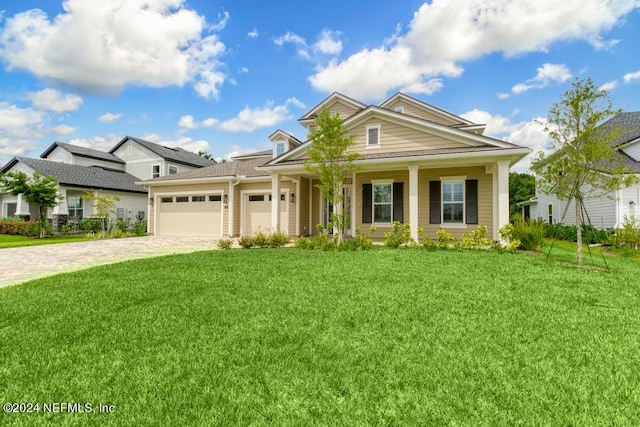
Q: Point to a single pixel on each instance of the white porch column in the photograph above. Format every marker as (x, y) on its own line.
(501, 180)
(413, 201)
(22, 207)
(275, 203)
(62, 208)
(353, 205)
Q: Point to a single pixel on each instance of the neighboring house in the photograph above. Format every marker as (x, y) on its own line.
(604, 212)
(79, 170)
(422, 166)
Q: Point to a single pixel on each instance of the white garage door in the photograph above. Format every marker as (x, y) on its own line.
(189, 215)
(257, 216)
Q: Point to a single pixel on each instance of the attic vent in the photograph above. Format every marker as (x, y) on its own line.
(399, 110)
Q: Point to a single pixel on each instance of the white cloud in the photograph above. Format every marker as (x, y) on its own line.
(109, 117)
(253, 34)
(12, 117)
(101, 46)
(547, 74)
(64, 130)
(188, 122)
(529, 134)
(629, 77)
(223, 20)
(250, 119)
(244, 70)
(296, 40)
(426, 88)
(609, 86)
(20, 129)
(102, 143)
(236, 150)
(503, 95)
(443, 34)
(53, 100)
(328, 43)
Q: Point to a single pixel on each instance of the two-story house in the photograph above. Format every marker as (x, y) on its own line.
(421, 165)
(79, 170)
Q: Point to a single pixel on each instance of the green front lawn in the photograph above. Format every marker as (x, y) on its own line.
(11, 241)
(291, 337)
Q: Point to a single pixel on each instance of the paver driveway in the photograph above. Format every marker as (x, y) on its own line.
(19, 265)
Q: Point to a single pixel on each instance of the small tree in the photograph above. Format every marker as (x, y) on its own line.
(585, 163)
(331, 161)
(38, 189)
(103, 206)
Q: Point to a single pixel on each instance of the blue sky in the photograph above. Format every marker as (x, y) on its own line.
(221, 76)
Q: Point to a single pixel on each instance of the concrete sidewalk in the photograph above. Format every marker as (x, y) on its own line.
(19, 265)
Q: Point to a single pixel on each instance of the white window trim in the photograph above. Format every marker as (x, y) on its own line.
(159, 170)
(373, 204)
(443, 180)
(284, 148)
(169, 166)
(367, 128)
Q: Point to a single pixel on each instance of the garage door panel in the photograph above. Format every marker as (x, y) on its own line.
(190, 219)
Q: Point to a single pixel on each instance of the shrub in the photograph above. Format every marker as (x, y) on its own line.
(12, 219)
(476, 239)
(628, 236)
(35, 229)
(140, 227)
(429, 244)
(361, 242)
(225, 243)
(122, 225)
(261, 240)
(278, 239)
(506, 234)
(90, 225)
(399, 235)
(246, 241)
(15, 227)
(530, 234)
(445, 239)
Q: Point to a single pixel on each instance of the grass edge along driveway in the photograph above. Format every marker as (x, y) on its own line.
(291, 337)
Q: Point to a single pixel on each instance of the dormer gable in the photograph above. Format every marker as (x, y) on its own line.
(282, 142)
(336, 103)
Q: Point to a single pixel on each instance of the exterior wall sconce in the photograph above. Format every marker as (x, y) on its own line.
(225, 199)
(292, 198)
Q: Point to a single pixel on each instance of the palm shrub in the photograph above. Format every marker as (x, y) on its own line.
(225, 243)
(278, 239)
(246, 241)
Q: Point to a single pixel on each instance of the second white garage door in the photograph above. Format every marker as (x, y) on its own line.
(189, 215)
(257, 214)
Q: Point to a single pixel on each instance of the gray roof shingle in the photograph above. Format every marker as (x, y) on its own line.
(83, 152)
(82, 176)
(629, 124)
(178, 155)
(230, 169)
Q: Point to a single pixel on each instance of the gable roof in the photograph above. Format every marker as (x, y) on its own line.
(286, 135)
(310, 115)
(178, 155)
(229, 170)
(460, 121)
(94, 177)
(629, 124)
(82, 152)
(265, 153)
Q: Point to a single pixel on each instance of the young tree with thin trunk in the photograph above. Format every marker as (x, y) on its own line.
(103, 206)
(332, 161)
(38, 189)
(585, 163)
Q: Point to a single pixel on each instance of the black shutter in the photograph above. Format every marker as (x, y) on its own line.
(367, 200)
(434, 202)
(398, 196)
(471, 201)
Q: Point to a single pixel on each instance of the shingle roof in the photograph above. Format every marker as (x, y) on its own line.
(178, 155)
(230, 169)
(83, 152)
(82, 176)
(256, 154)
(629, 124)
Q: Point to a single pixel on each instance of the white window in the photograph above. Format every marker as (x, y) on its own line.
(382, 202)
(155, 171)
(399, 109)
(373, 135)
(173, 169)
(75, 205)
(279, 148)
(453, 202)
